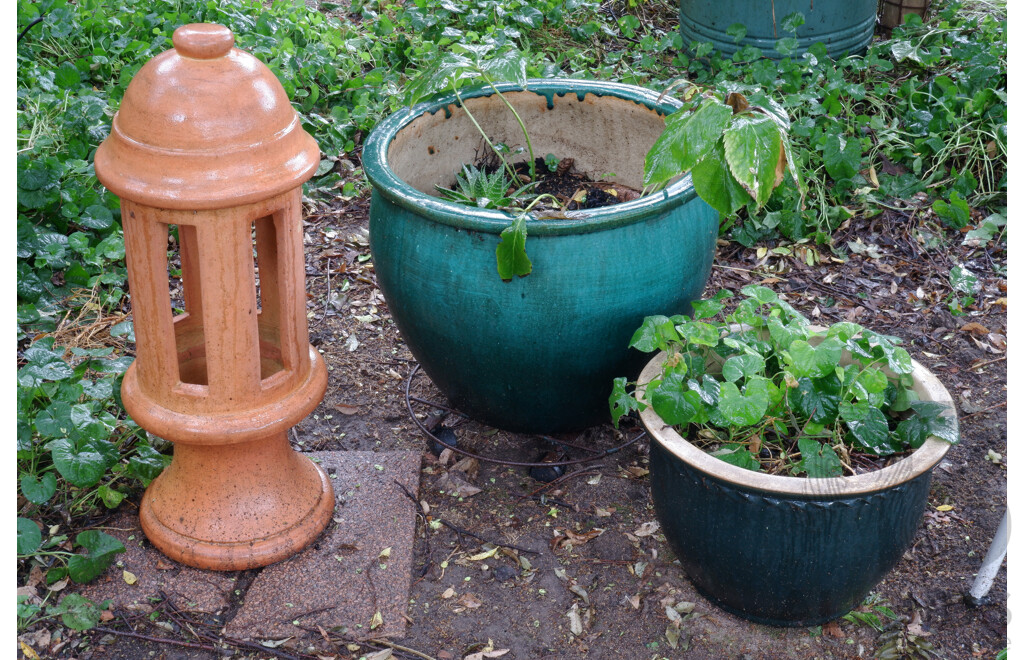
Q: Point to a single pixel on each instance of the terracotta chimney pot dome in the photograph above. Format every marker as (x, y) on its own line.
(204, 126)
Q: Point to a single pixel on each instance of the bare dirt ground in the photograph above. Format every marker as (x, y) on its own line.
(573, 569)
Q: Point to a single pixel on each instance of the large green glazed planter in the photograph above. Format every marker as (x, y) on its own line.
(844, 26)
(537, 354)
(787, 551)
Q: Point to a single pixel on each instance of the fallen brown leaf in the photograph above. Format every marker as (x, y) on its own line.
(346, 408)
(975, 328)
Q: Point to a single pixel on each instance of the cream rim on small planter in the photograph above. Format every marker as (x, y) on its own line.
(926, 457)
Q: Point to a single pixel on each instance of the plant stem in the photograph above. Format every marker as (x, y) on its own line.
(508, 168)
(529, 146)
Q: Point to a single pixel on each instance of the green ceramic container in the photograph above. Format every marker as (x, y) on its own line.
(788, 551)
(844, 26)
(537, 354)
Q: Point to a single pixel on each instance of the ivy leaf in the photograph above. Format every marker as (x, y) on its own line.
(80, 466)
(817, 399)
(696, 332)
(747, 408)
(927, 421)
(716, 185)
(38, 490)
(77, 612)
(654, 334)
(814, 361)
(842, 156)
(742, 366)
(147, 463)
(511, 251)
(96, 217)
(507, 65)
(101, 550)
(760, 294)
(688, 137)
(29, 536)
(737, 454)
(818, 460)
(621, 402)
(675, 403)
(703, 309)
(868, 426)
(753, 150)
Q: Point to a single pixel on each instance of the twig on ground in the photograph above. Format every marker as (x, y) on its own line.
(554, 482)
(460, 532)
(978, 412)
(985, 364)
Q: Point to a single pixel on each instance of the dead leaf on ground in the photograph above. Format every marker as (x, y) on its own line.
(346, 408)
(162, 565)
(648, 528)
(448, 593)
(915, 627)
(469, 601)
(832, 629)
(975, 328)
(453, 483)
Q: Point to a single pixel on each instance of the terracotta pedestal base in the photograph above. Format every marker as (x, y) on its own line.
(237, 506)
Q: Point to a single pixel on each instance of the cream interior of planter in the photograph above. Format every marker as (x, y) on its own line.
(926, 386)
(603, 134)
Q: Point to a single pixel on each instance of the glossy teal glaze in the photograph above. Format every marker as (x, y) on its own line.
(844, 26)
(537, 354)
(782, 560)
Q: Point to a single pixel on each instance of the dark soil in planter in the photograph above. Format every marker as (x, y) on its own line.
(594, 532)
(574, 190)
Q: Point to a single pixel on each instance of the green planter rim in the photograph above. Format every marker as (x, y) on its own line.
(389, 185)
(925, 458)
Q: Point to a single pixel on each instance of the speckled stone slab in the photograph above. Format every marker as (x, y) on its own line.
(190, 589)
(360, 566)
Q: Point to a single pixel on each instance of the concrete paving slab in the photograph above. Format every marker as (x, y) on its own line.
(359, 567)
(190, 589)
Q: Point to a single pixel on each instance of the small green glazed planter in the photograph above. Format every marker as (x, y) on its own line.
(535, 354)
(786, 551)
(844, 26)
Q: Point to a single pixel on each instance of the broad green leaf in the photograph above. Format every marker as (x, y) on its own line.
(111, 497)
(654, 334)
(696, 332)
(675, 403)
(97, 217)
(844, 330)
(870, 381)
(438, 76)
(77, 612)
(818, 460)
(753, 151)
(868, 426)
(101, 550)
(814, 361)
(747, 408)
(782, 335)
(67, 76)
(842, 156)
(742, 366)
(29, 536)
(507, 65)
(761, 294)
(737, 454)
(55, 420)
(38, 490)
(688, 137)
(703, 309)
(147, 463)
(963, 280)
(928, 420)
(80, 466)
(817, 399)
(511, 251)
(716, 185)
(621, 402)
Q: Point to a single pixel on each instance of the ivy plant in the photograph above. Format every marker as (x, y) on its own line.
(763, 389)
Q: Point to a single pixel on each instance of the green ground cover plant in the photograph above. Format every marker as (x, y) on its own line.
(918, 123)
(762, 389)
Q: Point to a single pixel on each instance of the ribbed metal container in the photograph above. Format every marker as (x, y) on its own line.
(844, 26)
